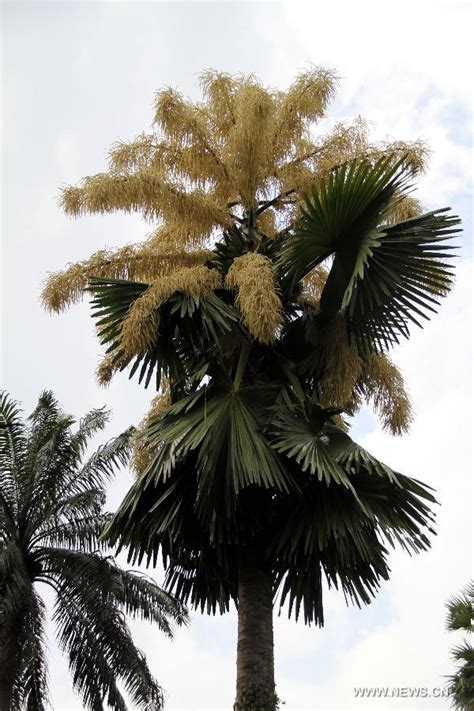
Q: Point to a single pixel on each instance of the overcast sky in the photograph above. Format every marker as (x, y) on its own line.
(78, 76)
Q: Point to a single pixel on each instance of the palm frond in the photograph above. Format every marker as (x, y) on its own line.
(344, 530)
(67, 487)
(12, 453)
(15, 582)
(223, 424)
(383, 276)
(298, 433)
(461, 617)
(31, 681)
(141, 597)
(90, 665)
(50, 457)
(159, 518)
(338, 218)
(47, 409)
(463, 652)
(190, 326)
(104, 462)
(50, 524)
(74, 531)
(89, 618)
(93, 422)
(461, 610)
(7, 514)
(403, 280)
(461, 687)
(15, 599)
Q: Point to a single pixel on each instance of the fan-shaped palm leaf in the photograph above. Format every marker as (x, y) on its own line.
(189, 326)
(341, 510)
(383, 276)
(461, 617)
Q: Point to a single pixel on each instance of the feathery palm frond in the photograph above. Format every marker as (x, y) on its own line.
(12, 454)
(51, 520)
(31, 686)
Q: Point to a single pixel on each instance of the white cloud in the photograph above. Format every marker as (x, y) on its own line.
(407, 72)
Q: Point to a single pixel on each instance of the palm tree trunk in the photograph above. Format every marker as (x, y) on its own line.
(255, 666)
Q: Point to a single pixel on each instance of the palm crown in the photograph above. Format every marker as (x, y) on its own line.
(251, 444)
(51, 501)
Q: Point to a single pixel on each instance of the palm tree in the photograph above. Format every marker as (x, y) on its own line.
(51, 516)
(317, 260)
(461, 617)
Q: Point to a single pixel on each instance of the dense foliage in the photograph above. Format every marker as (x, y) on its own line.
(461, 617)
(282, 269)
(249, 451)
(51, 516)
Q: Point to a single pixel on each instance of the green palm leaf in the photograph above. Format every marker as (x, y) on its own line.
(343, 511)
(299, 433)
(51, 519)
(225, 424)
(188, 326)
(12, 454)
(31, 683)
(461, 617)
(461, 610)
(342, 531)
(382, 276)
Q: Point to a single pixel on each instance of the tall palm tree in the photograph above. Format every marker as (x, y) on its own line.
(461, 617)
(51, 500)
(316, 260)
(253, 485)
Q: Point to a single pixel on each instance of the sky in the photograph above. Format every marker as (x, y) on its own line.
(76, 77)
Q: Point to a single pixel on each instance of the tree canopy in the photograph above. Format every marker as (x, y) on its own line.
(51, 517)
(245, 151)
(256, 372)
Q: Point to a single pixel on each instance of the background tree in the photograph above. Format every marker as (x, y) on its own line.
(51, 501)
(461, 617)
(262, 314)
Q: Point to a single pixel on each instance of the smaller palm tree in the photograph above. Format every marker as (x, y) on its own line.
(461, 617)
(51, 500)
